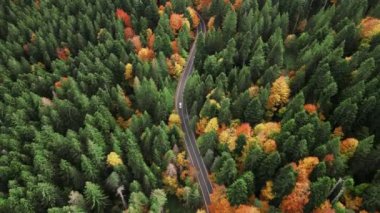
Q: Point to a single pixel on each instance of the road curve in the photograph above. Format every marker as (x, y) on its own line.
(190, 142)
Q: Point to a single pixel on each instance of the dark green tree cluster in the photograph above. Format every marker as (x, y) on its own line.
(64, 106)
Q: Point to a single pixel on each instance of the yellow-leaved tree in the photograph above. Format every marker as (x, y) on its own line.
(113, 159)
(201, 125)
(170, 184)
(194, 17)
(146, 54)
(212, 125)
(128, 73)
(279, 93)
(210, 23)
(228, 136)
(174, 119)
(266, 192)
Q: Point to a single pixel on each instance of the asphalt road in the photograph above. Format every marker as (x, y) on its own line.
(190, 141)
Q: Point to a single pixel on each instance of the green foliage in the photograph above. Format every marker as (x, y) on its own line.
(65, 102)
(237, 192)
(284, 182)
(268, 167)
(229, 24)
(370, 196)
(254, 112)
(158, 200)
(207, 141)
(241, 141)
(319, 191)
(137, 201)
(95, 197)
(248, 178)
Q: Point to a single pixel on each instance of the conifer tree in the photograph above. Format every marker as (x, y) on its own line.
(284, 182)
(229, 24)
(94, 196)
(237, 192)
(254, 112)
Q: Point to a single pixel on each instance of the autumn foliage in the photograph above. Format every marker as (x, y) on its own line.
(310, 108)
(228, 136)
(324, 208)
(128, 72)
(244, 129)
(269, 146)
(151, 38)
(219, 201)
(194, 17)
(266, 192)
(348, 146)
(113, 159)
(237, 4)
(122, 15)
(299, 197)
(174, 45)
(212, 125)
(279, 93)
(175, 64)
(176, 21)
(264, 130)
(352, 202)
(246, 209)
(210, 23)
(370, 27)
(129, 33)
(136, 43)
(63, 53)
(201, 125)
(174, 119)
(204, 4)
(146, 54)
(58, 84)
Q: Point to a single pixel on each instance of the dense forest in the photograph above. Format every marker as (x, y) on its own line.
(284, 100)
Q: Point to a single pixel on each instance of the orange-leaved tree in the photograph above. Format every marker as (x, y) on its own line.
(348, 146)
(246, 209)
(370, 27)
(237, 4)
(219, 201)
(136, 43)
(129, 33)
(146, 54)
(324, 208)
(63, 53)
(203, 4)
(299, 197)
(310, 108)
(122, 15)
(244, 129)
(176, 21)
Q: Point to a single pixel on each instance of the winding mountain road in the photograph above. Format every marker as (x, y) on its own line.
(190, 141)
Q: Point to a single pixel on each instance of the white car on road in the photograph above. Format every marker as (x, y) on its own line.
(180, 105)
